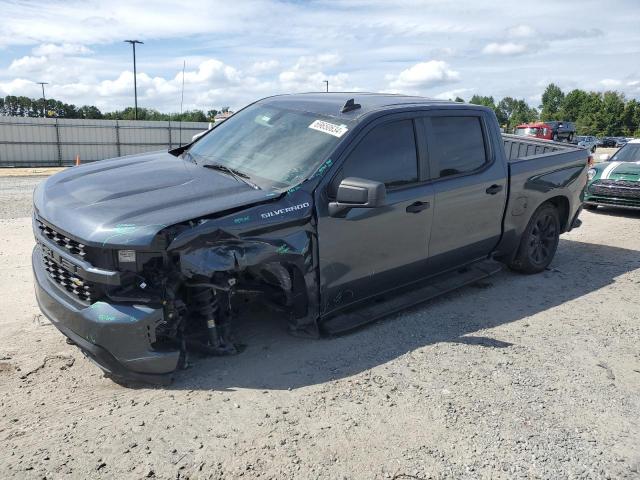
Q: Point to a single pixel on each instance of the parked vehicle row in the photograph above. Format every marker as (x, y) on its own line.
(612, 142)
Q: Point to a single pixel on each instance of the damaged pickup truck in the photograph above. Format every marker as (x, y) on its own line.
(334, 208)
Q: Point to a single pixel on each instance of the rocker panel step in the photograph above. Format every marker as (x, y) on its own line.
(382, 306)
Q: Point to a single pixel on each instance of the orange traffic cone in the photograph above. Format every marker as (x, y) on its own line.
(77, 160)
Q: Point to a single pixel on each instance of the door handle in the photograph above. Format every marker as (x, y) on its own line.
(493, 189)
(417, 207)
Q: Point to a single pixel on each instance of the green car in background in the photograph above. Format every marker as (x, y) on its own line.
(615, 182)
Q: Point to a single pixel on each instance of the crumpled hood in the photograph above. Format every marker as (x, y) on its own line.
(126, 201)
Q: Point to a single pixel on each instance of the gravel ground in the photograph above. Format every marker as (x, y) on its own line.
(513, 377)
(15, 195)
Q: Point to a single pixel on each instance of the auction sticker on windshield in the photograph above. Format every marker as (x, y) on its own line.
(330, 128)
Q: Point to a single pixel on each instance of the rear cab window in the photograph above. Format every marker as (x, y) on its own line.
(456, 144)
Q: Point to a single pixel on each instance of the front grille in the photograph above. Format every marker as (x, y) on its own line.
(616, 188)
(68, 280)
(72, 246)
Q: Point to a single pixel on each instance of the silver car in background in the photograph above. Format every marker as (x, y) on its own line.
(587, 141)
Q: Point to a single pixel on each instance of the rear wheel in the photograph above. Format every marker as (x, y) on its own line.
(539, 241)
(555, 137)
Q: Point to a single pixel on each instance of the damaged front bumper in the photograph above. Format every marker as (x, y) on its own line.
(117, 337)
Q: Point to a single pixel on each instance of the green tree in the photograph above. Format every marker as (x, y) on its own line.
(89, 111)
(484, 101)
(611, 114)
(631, 118)
(589, 121)
(551, 102)
(572, 105)
(459, 100)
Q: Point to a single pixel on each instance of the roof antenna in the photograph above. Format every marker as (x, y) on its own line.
(184, 64)
(350, 105)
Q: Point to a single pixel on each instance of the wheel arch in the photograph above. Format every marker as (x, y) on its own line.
(562, 204)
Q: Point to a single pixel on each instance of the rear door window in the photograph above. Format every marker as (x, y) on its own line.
(456, 145)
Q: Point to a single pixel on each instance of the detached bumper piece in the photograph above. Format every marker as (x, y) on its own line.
(118, 338)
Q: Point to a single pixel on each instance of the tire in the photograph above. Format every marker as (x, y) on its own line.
(590, 207)
(593, 149)
(570, 137)
(539, 241)
(555, 137)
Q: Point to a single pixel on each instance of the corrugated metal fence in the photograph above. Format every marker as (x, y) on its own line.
(49, 142)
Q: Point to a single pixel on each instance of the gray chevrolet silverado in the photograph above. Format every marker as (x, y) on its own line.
(335, 209)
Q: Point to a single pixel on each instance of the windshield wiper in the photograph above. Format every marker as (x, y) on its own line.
(239, 176)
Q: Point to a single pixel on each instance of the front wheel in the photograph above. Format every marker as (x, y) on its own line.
(539, 241)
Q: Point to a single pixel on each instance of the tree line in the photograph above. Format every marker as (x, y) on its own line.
(594, 113)
(31, 107)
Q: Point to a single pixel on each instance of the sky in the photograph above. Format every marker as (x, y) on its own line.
(242, 50)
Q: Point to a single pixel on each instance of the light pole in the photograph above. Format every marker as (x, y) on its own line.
(135, 83)
(44, 100)
(327, 82)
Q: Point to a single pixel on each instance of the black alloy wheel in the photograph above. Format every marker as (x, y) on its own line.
(543, 239)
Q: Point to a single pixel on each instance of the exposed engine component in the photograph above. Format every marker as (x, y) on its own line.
(216, 315)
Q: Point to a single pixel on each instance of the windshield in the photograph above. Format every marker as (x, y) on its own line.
(629, 153)
(272, 146)
(582, 139)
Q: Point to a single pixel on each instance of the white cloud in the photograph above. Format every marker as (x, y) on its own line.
(521, 31)
(51, 49)
(306, 75)
(265, 66)
(610, 83)
(507, 48)
(20, 86)
(423, 75)
(28, 64)
(209, 71)
(452, 94)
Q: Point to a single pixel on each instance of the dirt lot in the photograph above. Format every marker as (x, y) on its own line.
(514, 377)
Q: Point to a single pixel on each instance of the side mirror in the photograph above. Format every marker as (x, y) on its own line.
(357, 193)
(604, 157)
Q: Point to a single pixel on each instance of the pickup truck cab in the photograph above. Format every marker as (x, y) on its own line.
(318, 204)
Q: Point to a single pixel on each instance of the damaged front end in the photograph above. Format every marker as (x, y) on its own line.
(141, 312)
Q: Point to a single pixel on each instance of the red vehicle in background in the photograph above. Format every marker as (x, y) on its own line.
(556, 131)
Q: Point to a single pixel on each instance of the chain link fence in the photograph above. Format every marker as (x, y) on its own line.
(51, 142)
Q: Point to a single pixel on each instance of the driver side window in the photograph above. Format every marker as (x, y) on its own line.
(386, 154)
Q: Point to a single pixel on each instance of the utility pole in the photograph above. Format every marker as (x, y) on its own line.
(44, 100)
(135, 80)
(327, 82)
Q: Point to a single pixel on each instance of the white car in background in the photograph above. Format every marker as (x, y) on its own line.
(198, 135)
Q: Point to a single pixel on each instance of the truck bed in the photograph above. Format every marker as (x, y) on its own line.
(517, 147)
